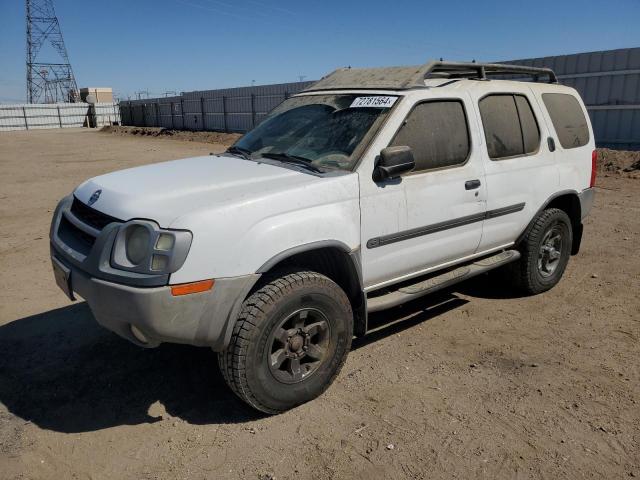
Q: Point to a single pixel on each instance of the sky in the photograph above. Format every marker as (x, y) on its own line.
(182, 45)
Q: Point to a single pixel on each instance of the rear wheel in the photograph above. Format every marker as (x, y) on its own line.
(289, 343)
(545, 250)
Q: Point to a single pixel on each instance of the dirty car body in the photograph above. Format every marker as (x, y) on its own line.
(373, 188)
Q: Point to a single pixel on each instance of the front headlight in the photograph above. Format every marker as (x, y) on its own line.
(136, 243)
(141, 246)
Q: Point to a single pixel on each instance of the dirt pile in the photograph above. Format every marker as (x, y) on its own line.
(184, 135)
(620, 162)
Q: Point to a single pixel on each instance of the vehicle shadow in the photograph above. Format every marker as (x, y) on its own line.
(395, 320)
(494, 285)
(63, 372)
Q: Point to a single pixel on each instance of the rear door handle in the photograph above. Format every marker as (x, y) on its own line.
(471, 184)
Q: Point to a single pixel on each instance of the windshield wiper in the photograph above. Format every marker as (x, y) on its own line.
(239, 151)
(294, 159)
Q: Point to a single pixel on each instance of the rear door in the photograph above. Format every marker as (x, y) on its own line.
(520, 169)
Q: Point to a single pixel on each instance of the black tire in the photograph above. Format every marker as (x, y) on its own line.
(532, 274)
(274, 387)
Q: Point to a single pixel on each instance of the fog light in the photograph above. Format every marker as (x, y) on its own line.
(141, 337)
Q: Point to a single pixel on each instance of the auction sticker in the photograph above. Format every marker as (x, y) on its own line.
(378, 101)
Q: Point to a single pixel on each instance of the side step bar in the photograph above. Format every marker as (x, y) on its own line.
(411, 292)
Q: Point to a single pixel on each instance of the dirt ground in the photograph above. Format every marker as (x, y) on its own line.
(472, 383)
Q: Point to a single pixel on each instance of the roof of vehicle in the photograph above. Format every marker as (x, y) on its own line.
(403, 78)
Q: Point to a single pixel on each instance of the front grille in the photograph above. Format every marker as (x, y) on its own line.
(90, 216)
(74, 237)
(77, 238)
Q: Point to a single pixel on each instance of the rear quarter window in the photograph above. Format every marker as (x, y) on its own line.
(568, 119)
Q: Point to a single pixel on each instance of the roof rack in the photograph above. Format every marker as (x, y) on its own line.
(482, 70)
(402, 78)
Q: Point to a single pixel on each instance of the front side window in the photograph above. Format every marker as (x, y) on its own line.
(323, 130)
(437, 133)
(510, 126)
(567, 118)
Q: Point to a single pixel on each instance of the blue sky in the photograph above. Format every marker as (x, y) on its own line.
(187, 45)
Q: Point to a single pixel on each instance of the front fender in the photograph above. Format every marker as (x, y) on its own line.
(273, 239)
(241, 239)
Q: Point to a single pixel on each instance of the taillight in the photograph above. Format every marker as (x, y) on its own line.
(594, 157)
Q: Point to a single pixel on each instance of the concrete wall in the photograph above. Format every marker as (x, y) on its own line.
(56, 115)
(609, 82)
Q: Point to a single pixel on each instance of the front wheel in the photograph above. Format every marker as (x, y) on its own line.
(545, 249)
(289, 343)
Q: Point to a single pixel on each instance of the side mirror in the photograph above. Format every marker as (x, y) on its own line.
(393, 162)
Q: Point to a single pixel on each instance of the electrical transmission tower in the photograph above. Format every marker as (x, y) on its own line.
(47, 82)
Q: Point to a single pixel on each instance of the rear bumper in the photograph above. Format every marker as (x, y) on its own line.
(201, 319)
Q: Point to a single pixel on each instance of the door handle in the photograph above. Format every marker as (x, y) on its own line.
(471, 184)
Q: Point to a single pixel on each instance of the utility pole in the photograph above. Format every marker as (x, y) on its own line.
(50, 77)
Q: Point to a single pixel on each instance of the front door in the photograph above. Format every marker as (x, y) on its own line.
(434, 214)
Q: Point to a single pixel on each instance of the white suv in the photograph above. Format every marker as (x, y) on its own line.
(372, 188)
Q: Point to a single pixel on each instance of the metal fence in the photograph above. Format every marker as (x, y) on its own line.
(609, 82)
(57, 115)
(227, 110)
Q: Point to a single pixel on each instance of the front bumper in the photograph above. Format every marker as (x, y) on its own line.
(120, 300)
(201, 319)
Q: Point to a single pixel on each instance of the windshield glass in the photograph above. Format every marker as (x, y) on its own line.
(323, 130)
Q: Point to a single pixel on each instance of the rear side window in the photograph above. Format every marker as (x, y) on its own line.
(568, 119)
(530, 132)
(437, 133)
(510, 126)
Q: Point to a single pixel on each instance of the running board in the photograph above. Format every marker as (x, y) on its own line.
(411, 292)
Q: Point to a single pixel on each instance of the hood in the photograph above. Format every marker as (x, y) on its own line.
(164, 191)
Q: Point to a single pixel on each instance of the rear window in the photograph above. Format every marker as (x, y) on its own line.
(510, 126)
(437, 133)
(568, 119)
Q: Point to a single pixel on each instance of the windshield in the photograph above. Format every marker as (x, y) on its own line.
(323, 130)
